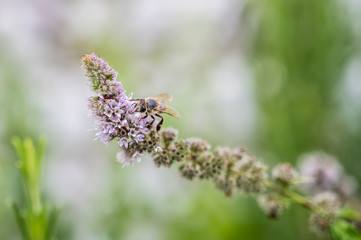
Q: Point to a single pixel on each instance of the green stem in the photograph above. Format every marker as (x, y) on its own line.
(295, 197)
(38, 222)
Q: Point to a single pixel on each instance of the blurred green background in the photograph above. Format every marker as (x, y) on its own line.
(281, 77)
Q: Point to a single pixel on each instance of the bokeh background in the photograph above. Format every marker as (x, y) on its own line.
(280, 77)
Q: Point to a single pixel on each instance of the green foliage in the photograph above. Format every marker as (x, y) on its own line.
(299, 51)
(346, 227)
(344, 230)
(36, 220)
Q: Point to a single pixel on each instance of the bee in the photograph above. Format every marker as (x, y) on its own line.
(154, 106)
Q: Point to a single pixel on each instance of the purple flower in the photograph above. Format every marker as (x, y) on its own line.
(118, 112)
(124, 124)
(322, 170)
(143, 130)
(124, 142)
(324, 173)
(138, 138)
(111, 128)
(116, 116)
(123, 158)
(137, 156)
(113, 104)
(104, 137)
(132, 132)
(108, 111)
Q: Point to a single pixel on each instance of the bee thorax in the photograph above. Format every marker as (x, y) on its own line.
(151, 104)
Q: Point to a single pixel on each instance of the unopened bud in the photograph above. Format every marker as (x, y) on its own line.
(169, 135)
(327, 207)
(197, 145)
(251, 176)
(284, 173)
(271, 205)
(189, 170)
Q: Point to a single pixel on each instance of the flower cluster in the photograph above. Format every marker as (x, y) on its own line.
(271, 204)
(324, 173)
(284, 173)
(229, 169)
(252, 176)
(114, 113)
(327, 207)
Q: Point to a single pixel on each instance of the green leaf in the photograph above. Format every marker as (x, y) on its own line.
(20, 220)
(349, 213)
(31, 163)
(35, 221)
(40, 149)
(19, 149)
(52, 219)
(344, 231)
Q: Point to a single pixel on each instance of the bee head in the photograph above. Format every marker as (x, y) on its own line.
(142, 107)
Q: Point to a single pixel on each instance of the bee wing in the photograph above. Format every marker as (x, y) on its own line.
(171, 111)
(164, 97)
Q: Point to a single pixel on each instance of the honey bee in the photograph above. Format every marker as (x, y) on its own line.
(154, 106)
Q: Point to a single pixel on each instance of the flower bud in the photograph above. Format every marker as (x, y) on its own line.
(284, 173)
(189, 170)
(225, 184)
(197, 145)
(208, 166)
(327, 206)
(251, 175)
(169, 135)
(271, 204)
(223, 152)
(324, 171)
(101, 75)
(238, 153)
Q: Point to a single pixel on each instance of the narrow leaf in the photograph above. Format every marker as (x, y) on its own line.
(20, 221)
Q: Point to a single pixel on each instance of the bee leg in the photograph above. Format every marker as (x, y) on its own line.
(160, 123)
(151, 123)
(135, 104)
(145, 116)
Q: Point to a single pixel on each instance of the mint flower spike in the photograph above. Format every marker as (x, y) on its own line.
(325, 173)
(230, 170)
(102, 77)
(114, 113)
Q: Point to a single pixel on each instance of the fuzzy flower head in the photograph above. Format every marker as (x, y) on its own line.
(251, 175)
(169, 135)
(326, 174)
(323, 170)
(284, 173)
(197, 145)
(189, 170)
(114, 113)
(271, 204)
(327, 206)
